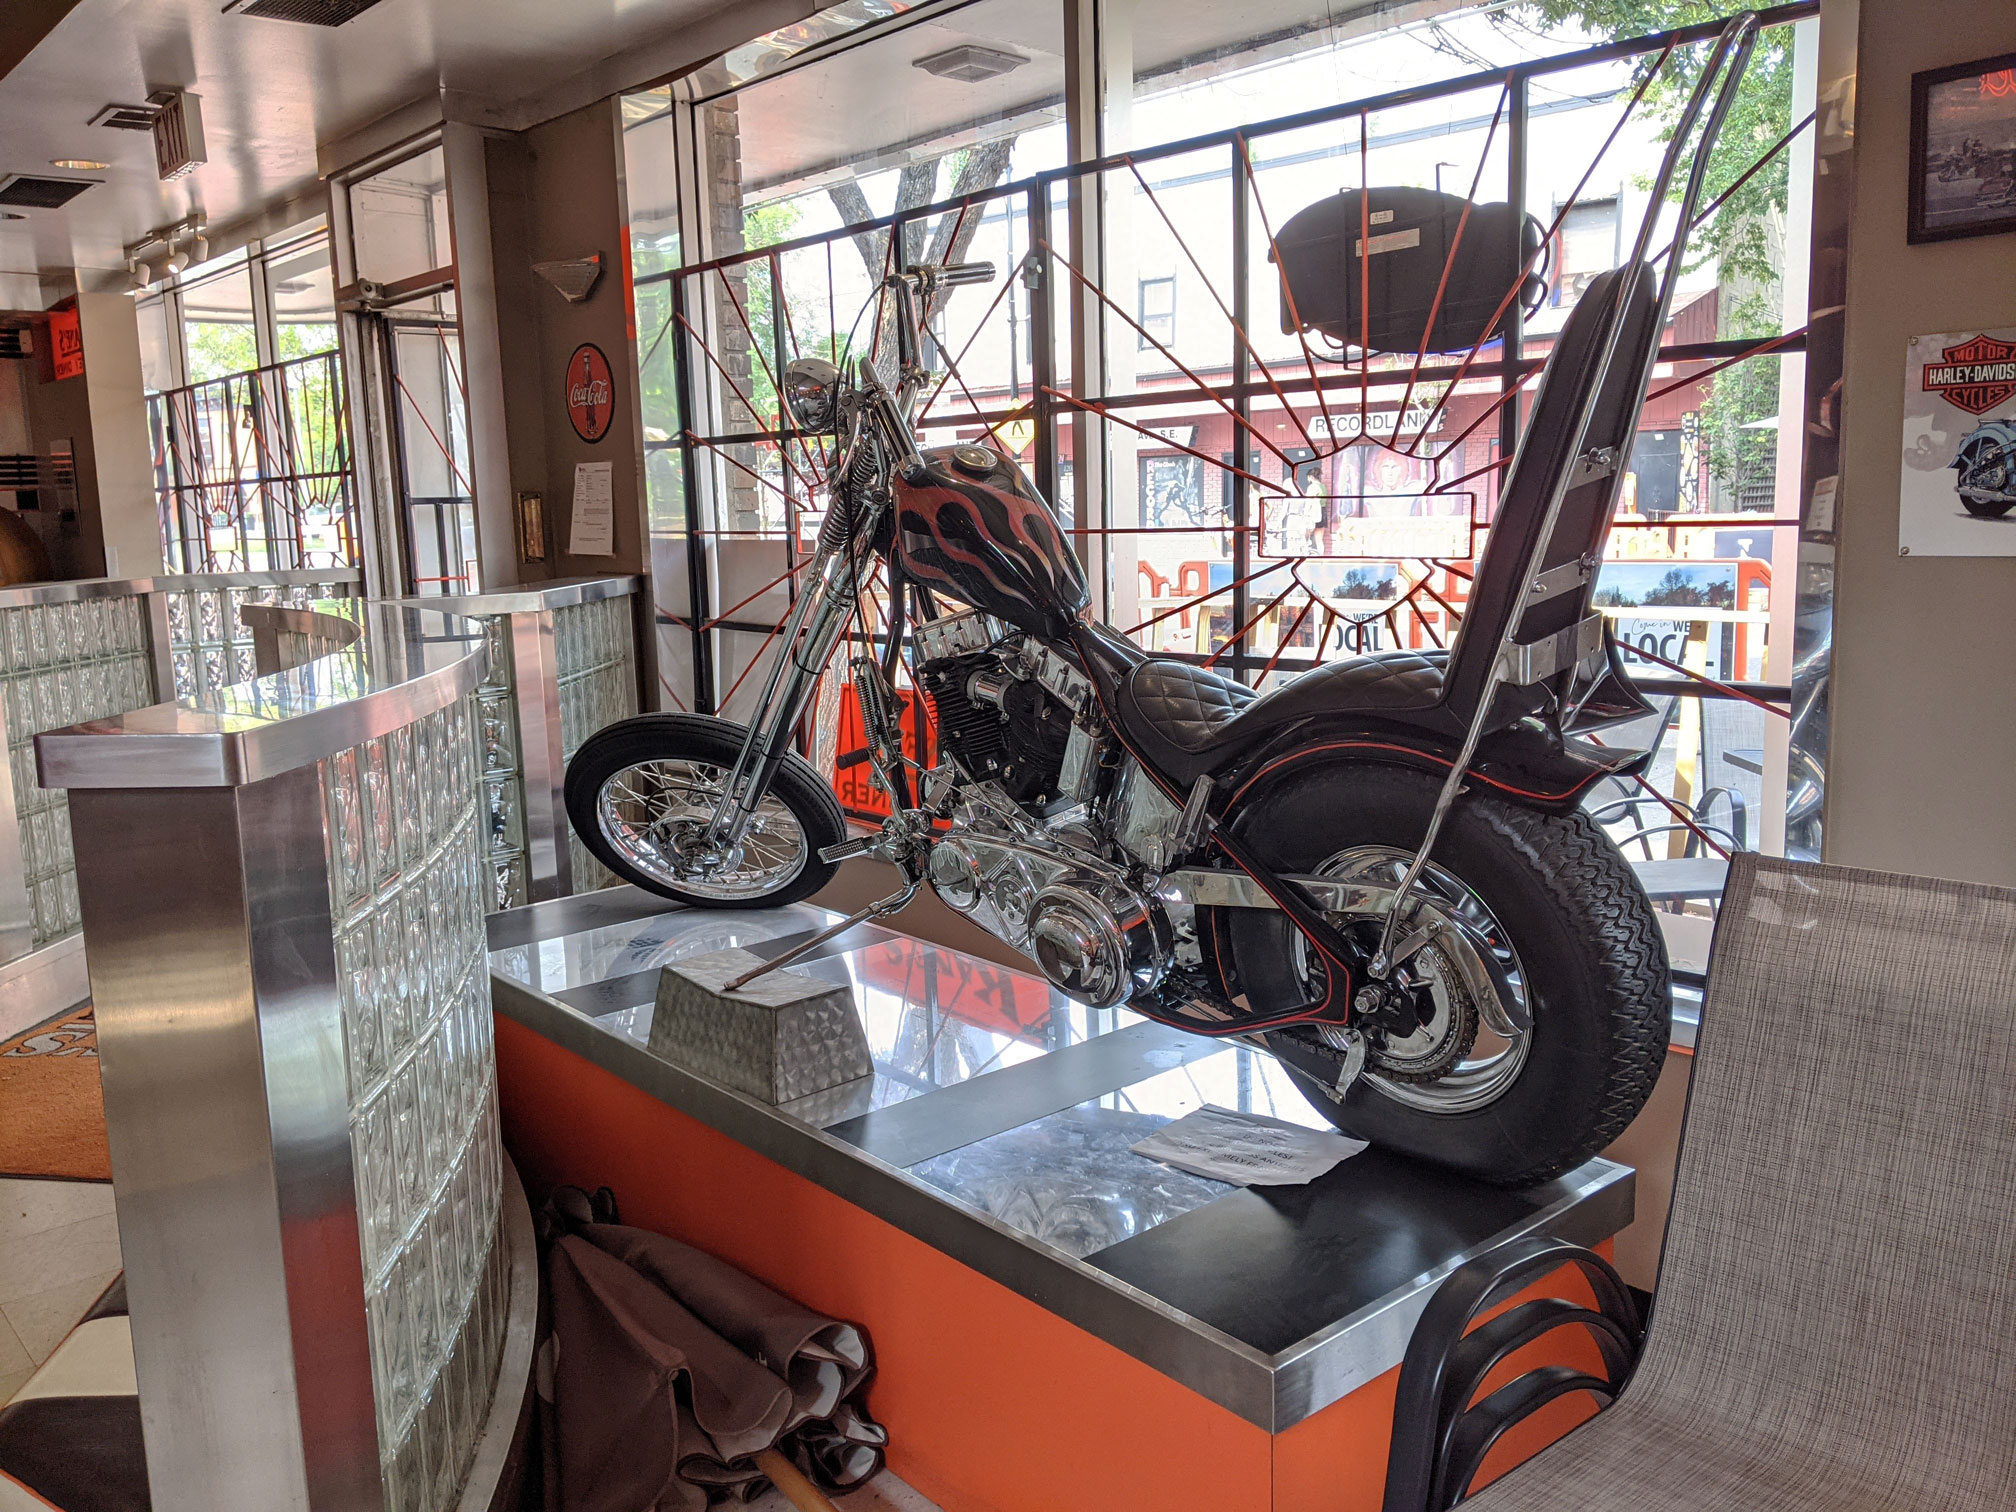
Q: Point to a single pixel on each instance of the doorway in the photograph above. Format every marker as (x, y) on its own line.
(420, 353)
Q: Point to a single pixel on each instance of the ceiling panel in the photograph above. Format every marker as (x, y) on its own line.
(270, 91)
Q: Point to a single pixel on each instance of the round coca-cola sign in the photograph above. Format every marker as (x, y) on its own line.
(591, 392)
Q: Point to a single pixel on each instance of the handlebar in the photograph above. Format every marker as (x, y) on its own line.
(948, 275)
(953, 274)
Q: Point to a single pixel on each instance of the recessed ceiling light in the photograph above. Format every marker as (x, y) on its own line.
(80, 165)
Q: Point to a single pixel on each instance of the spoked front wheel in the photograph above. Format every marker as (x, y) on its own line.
(642, 794)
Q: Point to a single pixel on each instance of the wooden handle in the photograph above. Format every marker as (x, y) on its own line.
(786, 1477)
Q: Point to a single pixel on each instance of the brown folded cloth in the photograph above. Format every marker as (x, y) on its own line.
(667, 1369)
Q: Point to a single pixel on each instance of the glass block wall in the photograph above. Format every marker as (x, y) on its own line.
(597, 656)
(60, 664)
(408, 883)
(596, 663)
(507, 869)
(210, 645)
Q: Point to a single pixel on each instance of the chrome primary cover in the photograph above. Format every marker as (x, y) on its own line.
(1096, 937)
(1099, 942)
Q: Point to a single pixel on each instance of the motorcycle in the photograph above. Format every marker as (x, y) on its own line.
(1986, 462)
(1378, 872)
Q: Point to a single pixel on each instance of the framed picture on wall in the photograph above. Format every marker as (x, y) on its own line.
(1963, 150)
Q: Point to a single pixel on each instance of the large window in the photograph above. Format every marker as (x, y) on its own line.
(269, 301)
(401, 278)
(219, 334)
(1253, 495)
(250, 428)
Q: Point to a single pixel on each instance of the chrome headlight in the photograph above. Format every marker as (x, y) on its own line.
(812, 392)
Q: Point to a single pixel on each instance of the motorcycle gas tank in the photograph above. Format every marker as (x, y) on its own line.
(973, 527)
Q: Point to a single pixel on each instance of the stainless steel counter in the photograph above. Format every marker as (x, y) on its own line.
(86, 650)
(281, 884)
(996, 1128)
(403, 663)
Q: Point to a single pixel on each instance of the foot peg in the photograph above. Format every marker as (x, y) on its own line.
(847, 850)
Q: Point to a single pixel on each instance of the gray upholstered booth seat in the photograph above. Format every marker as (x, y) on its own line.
(1835, 1324)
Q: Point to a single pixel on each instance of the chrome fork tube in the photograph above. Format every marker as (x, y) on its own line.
(803, 655)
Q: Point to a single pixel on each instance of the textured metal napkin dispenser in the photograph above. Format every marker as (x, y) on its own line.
(783, 1036)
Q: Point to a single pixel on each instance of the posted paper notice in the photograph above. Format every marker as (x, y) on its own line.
(594, 527)
(1246, 1149)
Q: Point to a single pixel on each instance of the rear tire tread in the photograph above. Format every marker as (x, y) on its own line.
(1588, 940)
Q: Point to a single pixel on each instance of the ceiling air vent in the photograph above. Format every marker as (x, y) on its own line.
(17, 341)
(32, 193)
(307, 12)
(127, 117)
(969, 63)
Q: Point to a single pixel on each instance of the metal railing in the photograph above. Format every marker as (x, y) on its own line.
(255, 470)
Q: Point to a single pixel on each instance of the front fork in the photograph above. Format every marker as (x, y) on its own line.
(817, 621)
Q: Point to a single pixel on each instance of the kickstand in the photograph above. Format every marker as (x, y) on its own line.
(874, 910)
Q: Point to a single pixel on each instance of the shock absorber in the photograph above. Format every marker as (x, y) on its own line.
(837, 530)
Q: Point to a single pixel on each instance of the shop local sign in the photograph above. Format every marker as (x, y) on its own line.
(1959, 401)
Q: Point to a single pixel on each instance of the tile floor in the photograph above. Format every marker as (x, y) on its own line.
(59, 1248)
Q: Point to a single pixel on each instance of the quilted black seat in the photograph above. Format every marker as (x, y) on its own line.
(1189, 720)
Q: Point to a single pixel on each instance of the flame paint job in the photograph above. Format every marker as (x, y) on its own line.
(989, 541)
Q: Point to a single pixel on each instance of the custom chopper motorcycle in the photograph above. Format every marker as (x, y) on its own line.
(1377, 872)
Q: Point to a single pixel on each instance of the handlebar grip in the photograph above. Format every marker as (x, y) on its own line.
(966, 273)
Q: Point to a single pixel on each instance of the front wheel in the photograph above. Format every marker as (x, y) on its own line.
(641, 793)
(1542, 997)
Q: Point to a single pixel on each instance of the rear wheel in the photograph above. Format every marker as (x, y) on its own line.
(1540, 992)
(641, 793)
(1985, 481)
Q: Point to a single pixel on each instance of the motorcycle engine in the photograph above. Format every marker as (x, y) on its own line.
(999, 727)
(1022, 858)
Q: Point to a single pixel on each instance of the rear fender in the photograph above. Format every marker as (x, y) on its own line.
(1527, 762)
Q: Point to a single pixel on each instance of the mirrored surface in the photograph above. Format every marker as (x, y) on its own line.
(934, 1018)
(1072, 1180)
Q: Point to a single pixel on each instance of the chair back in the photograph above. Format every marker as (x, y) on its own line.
(1840, 1260)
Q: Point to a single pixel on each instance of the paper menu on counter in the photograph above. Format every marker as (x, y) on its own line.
(1246, 1149)
(593, 532)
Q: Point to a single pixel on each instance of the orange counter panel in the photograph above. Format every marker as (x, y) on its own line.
(993, 1404)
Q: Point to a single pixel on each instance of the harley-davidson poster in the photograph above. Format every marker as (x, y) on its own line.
(1958, 494)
